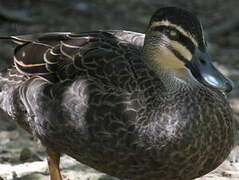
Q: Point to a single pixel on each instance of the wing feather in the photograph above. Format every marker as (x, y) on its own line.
(59, 56)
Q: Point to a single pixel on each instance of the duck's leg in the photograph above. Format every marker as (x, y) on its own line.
(53, 159)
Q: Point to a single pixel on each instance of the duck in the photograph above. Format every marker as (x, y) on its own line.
(132, 105)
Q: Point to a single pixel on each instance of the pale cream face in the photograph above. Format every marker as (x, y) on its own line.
(163, 57)
(182, 49)
(168, 51)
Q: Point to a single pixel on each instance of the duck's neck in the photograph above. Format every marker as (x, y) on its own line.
(171, 72)
(177, 80)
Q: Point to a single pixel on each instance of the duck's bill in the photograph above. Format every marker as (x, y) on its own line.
(205, 72)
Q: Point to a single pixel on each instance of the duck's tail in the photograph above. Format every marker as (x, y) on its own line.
(5, 37)
(10, 79)
(15, 39)
(38, 37)
(9, 76)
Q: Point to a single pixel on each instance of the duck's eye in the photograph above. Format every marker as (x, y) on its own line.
(173, 34)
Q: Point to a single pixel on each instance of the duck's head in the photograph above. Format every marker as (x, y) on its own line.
(175, 41)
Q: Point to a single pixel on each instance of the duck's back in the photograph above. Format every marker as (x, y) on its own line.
(103, 61)
(60, 56)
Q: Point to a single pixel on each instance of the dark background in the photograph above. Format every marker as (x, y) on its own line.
(220, 19)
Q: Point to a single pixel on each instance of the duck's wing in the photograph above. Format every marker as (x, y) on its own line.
(59, 56)
(101, 58)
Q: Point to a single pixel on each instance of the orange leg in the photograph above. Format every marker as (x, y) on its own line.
(53, 159)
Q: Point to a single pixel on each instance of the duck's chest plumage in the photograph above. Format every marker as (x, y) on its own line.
(109, 130)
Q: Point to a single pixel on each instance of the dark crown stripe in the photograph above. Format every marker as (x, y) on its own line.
(182, 39)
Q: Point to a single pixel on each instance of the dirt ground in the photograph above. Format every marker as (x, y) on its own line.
(21, 156)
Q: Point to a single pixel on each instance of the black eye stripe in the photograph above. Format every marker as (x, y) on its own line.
(187, 42)
(184, 40)
(178, 55)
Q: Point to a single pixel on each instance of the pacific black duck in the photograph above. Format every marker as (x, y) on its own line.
(131, 105)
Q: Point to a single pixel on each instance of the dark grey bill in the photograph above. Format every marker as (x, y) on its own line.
(205, 72)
